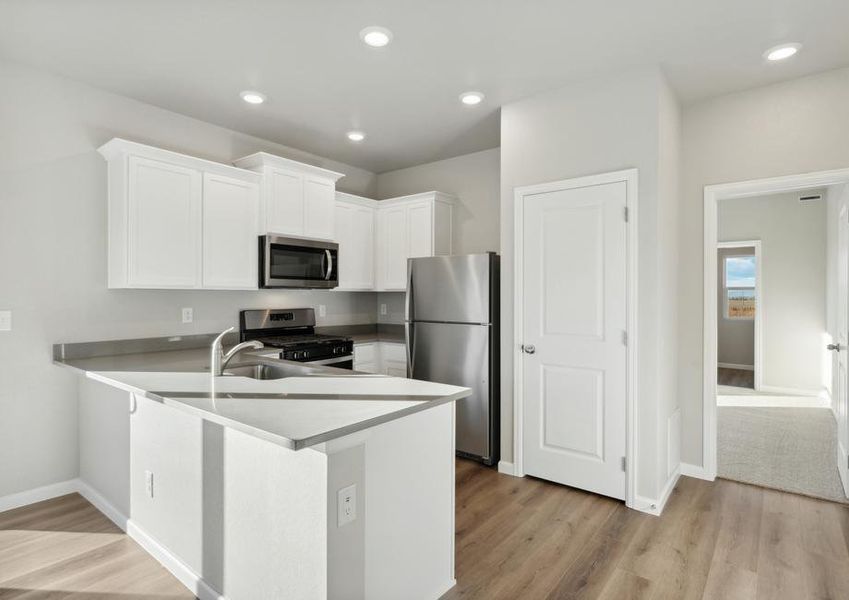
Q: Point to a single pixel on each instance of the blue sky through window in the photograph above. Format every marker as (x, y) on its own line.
(740, 271)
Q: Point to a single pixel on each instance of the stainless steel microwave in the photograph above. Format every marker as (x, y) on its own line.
(289, 262)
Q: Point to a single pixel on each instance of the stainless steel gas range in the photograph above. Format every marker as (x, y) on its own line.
(292, 332)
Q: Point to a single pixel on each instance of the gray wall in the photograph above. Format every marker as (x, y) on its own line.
(473, 178)
(617, 122)
(53, 256)
(784, 129)
(735, 337)
(793, 287)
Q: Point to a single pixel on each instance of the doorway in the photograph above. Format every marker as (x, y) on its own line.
(771, 251)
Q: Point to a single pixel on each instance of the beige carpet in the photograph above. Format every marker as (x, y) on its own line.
(790, 449)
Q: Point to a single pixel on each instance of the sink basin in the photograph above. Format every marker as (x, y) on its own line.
(278, 370)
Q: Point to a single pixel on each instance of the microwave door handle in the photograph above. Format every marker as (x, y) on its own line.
(329, 264)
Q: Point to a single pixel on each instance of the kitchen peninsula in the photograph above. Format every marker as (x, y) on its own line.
(276, 480)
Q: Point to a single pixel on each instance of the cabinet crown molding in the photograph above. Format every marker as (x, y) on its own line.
(119, 147)
(257, 160)
(432, 195)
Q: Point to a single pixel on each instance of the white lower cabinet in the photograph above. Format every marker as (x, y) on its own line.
(386, 358)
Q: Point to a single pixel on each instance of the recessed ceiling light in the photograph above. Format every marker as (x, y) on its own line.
(375, 36)
(781, 52)
(252, 97)
(471, 98)
(356, 136)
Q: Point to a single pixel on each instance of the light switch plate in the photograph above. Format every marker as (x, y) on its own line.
(188, 315)
(5, 320)
(322, 310)
(383, 309)
(346, 505)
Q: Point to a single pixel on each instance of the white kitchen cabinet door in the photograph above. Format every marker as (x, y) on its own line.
(230, 229)
(319, 203)
(284, 204)
(393, 248)
(420, 229)
(164, 204)
(355, 236)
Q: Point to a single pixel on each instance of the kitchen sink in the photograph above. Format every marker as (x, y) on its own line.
(279, 370)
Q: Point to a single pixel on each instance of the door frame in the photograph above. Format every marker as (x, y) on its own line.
(758, 341)
(630, 178)
(712, 195)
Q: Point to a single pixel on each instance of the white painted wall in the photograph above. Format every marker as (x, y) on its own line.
(473, 178)
(53, 256)
(617, 122)
(783, 129)
(735, 337)
(793, 261)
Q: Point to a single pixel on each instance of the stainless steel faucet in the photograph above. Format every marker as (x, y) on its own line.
(218, 359)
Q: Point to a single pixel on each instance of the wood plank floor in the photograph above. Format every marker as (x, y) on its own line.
(516, 538)
(65, 548)
(722, 540)
(736, 377)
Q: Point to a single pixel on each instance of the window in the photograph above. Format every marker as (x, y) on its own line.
(740, 274)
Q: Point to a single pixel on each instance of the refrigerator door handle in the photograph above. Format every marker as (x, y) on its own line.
(408, 305)
(408, 335)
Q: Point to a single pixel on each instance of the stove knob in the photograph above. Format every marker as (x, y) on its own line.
(305, 354)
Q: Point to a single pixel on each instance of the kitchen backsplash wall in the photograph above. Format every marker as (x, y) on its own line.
(394, 302)
(53, 256)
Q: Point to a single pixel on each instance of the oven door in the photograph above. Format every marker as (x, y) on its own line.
(297, 263)
(339, 362)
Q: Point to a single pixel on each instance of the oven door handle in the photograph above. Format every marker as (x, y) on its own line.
(329, 256)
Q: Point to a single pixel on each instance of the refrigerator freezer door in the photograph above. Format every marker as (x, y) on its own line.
(452, 289)
(457, 354)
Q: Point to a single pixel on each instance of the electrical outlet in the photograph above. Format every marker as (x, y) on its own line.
(148, 483)
(383, 308)
(188, 315)
(5, 320)
(322, 310)
(346, 505)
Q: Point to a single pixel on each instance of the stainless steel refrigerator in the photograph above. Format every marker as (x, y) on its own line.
(452, 315)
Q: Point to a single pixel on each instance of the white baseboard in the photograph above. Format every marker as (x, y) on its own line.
(177, 567)
(39, 494)
(507, 468)
(772, 401)
(654, 506)
(697, 471)
(735, 366)
(442, 590)
(774, 389)
(102, 504)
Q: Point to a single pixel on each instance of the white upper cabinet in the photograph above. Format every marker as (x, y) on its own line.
(355, 218)
(297, 199)
(230, 226)
(163, 224)
(410, 227)
(179, 222)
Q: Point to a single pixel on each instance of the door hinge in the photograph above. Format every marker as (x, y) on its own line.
(626, 214)
(624, 463)
(625, 338)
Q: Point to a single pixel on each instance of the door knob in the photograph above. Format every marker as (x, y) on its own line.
(529, 349)
(835, 347)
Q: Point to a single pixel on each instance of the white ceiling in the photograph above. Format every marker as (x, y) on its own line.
(195, 56)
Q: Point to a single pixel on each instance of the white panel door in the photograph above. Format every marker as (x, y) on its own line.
(420, 229)
(392, 223)
(164, 225)
(230, 232)
(319, 203)
(842, 359)
(284, 202)
(575, 317)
